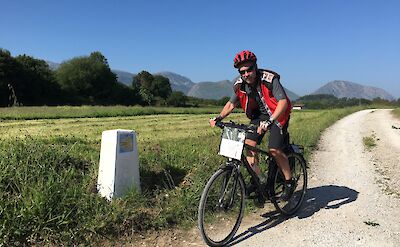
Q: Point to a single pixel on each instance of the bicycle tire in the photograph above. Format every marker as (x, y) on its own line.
(217, 211)
(299, 172)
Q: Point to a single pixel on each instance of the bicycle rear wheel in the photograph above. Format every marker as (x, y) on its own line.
(221, 207)
(299, 173)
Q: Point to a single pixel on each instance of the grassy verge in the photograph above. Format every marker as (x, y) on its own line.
(396, 112)
(48, 174)
(44, 112)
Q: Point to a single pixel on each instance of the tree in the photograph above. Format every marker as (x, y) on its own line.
(36, 84)
(146, 95)
(161, 87)
(177, 98)
(124, 95)
(141, 84)
(27, 81)
(223, 100)
(379, 100)
(153, 89)
(87, 79)
(143, 79)
(8, 72)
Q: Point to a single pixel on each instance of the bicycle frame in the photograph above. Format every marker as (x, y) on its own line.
(243, 159)
(236, 164)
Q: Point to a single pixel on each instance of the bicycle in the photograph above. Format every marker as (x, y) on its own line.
(222, 202)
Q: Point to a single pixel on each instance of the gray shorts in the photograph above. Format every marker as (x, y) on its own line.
(277, 137)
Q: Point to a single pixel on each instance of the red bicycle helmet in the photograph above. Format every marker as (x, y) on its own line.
(242, 57)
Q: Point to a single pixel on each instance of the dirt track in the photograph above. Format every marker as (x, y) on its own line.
(353, 196)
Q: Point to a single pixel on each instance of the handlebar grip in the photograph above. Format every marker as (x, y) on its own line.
(219, 124)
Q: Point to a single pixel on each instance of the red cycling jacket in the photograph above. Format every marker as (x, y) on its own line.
(264, 89)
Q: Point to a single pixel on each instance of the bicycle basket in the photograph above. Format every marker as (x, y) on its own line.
(232, 142)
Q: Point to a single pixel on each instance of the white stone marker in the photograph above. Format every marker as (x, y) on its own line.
(119, 163)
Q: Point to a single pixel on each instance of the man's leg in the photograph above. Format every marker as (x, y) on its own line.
(276, 146)
(252, 157)
(282, 161)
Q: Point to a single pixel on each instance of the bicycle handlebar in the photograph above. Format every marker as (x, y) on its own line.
(245, 127)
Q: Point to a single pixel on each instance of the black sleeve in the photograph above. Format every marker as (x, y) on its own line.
(234, 99)
(277, 90)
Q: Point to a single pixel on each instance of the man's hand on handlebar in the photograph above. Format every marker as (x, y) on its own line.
(213, 121)
(264, 126)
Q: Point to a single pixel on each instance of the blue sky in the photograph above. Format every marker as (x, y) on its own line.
(308, 42)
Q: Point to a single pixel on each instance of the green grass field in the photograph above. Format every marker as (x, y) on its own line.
(44, 112)
(396, 112)
(48, 171)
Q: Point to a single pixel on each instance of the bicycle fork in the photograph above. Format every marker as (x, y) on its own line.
(225, 193)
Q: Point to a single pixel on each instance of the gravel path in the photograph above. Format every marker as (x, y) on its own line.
(353, 196)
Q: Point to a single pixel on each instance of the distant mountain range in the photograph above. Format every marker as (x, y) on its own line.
(217, 90)
(207, 89)
(346, 89)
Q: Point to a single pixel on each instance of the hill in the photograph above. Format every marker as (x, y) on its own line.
(178, 82)
(346, 89)
(292, 96)
(124, 77)
(217, 90)
(211, 90)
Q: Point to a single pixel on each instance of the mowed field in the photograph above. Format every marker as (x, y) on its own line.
(49, 164)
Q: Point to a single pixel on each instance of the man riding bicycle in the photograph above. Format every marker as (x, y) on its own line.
(262, 97)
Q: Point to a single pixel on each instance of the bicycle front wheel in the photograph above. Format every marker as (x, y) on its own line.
(221, 207)
(299, 173)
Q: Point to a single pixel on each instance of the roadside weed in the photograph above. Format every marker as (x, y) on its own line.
(369, 142)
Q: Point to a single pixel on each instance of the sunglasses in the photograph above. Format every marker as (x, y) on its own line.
(248, 70)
